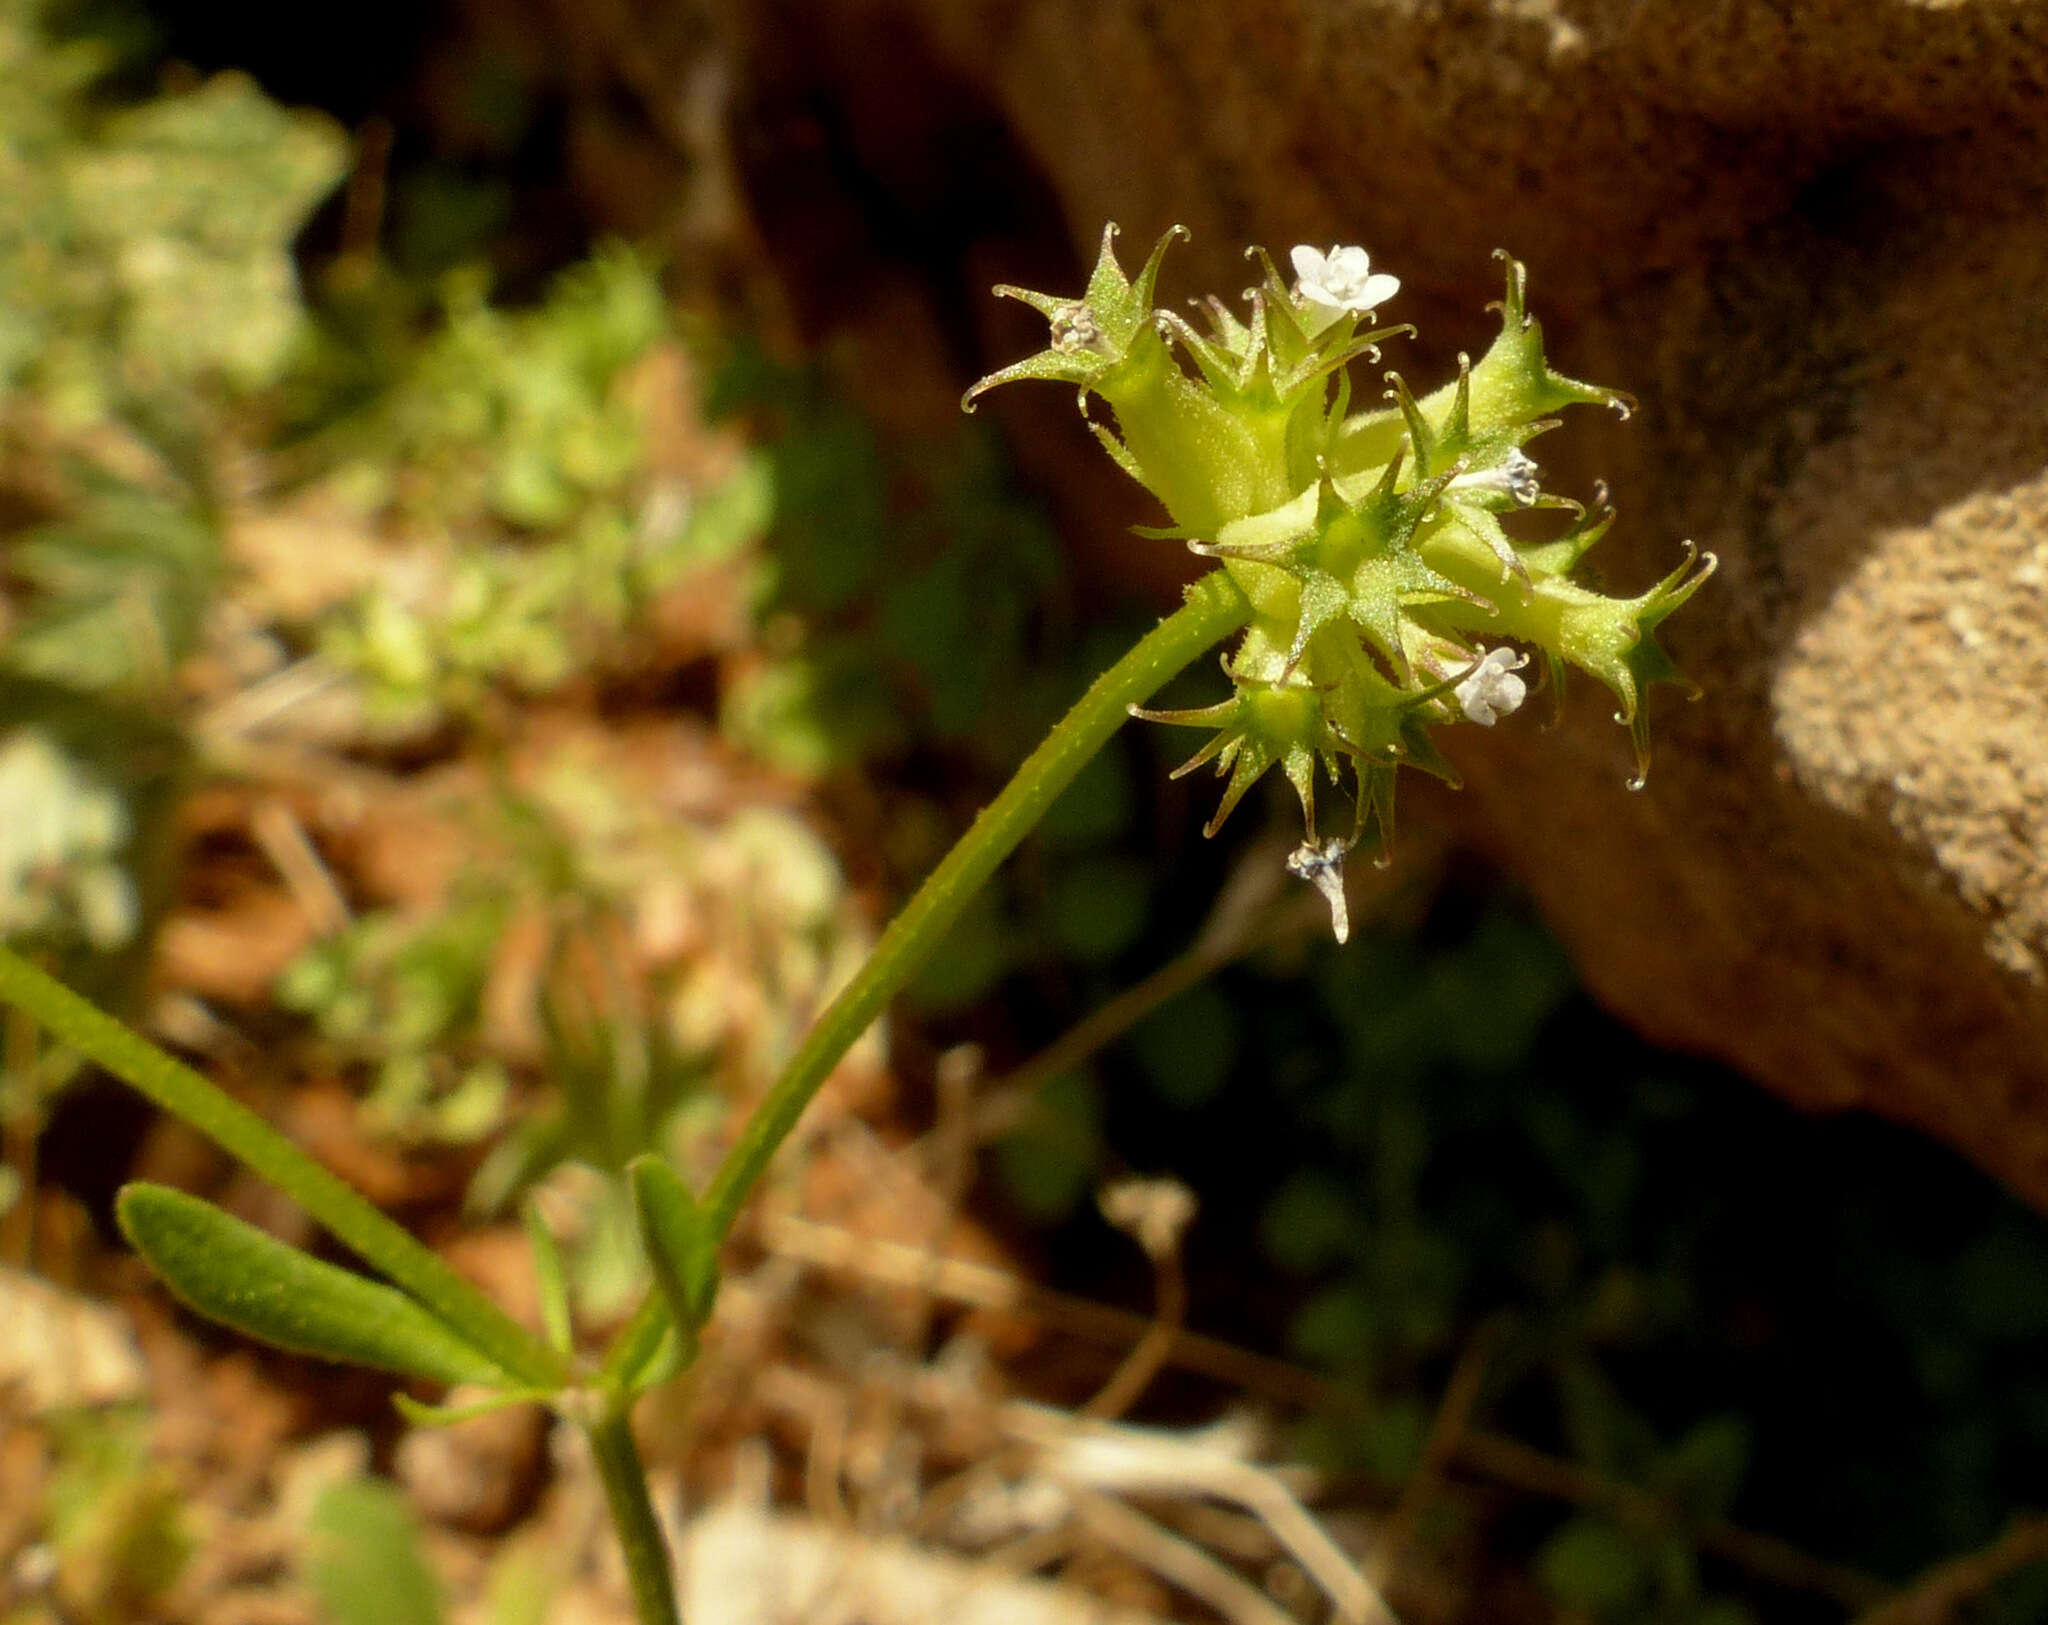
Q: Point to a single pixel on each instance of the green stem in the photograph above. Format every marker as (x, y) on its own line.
(639, 1531)
(1214, 609)
(376, 1239)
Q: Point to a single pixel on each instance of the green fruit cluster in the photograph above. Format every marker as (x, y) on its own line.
(1388, 597)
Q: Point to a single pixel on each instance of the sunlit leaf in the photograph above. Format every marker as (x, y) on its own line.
(549, 1277)
(682, 1246)
(234, 1273)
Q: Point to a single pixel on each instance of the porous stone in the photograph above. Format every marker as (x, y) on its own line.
(1811, 238)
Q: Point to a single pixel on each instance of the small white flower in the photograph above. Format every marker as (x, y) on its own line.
(1516, 478)
(1321, 864)
(1491, 690)
(1338, 283)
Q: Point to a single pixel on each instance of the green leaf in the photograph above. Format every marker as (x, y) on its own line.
(446, 1416)
(682, 1246)
(1098, 907)
(1589, 1565)
(366, 1565)
(1188, 1046)
(1050, 1160)
(525, 1576)
(549, 1275)
(1704, 1470)
(661, 1362)
(234, 1273)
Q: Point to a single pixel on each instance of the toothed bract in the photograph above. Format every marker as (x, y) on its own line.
(1396, 558)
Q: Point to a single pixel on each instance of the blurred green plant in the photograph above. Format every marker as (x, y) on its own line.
(61, 839)
(147, 299)
(508, 447)
(905, 592)
(603, 1043)
(405, 995)
(518, 415)
(145, 250)
(147, 295)
(364, 1562)
(116, 1519)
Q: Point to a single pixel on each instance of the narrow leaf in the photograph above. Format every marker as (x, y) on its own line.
(234, 1273)
(550, 1277)
(682, 1248)
(663, 1361)
(422, 1415)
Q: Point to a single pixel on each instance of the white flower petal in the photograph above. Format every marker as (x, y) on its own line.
(1491, 690)
(1321, 864)
(1347, 266)
(1376, 291)
(1340, 281)
(1517, 478)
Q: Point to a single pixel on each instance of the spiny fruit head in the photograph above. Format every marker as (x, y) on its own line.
(1391, 587)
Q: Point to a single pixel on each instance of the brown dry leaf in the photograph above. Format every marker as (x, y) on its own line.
(499, 1262)
(304, 559)
(326, 1119)
(235, 952)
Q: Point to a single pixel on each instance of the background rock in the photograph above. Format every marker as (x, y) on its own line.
(1810, 238)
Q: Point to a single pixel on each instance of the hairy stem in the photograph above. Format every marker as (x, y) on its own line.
(362, 1227)
(1214, 609)
(639, 1531)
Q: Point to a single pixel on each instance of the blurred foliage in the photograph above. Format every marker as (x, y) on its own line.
(510, 448)
(61, 835)
(1425, 1140)
(517, 415)
(1447, 1149)
(147, 293)
(570, 999)
(116, 1518)
(405, 996)
(904, 593)
(364, 1562)
(144, 250)
(467, 488)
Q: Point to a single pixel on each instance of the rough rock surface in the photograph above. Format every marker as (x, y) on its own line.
(1811, 237)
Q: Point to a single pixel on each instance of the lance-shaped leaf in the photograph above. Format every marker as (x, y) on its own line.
(682, 1246)
(422, 1415)
(233, 1273)
(550, 1277)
